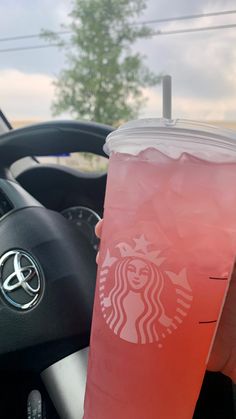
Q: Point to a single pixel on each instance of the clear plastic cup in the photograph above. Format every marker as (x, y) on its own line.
(167, 251)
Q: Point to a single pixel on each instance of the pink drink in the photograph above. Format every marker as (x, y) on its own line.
(167, 250)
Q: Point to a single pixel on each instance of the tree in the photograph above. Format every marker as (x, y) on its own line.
(104, 78)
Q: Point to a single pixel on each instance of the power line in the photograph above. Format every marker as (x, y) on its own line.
(35, 35)
(197, 16)
(157, 33)
(30, 47)
(146, 22)
(188, 30)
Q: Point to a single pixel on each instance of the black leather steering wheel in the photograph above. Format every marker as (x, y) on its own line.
(47, 270)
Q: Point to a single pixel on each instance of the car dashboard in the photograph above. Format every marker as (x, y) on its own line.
(78, 195)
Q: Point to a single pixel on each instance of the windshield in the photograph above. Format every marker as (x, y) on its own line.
(104, 61)
(82, 70)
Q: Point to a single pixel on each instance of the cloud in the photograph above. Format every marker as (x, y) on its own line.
(190, 108)
(29, 96)
(202, 64)
(25, 96)
(27, 17)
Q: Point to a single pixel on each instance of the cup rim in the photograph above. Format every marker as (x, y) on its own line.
(161, 133)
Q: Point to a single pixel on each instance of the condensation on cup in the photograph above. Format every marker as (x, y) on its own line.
(167, 250)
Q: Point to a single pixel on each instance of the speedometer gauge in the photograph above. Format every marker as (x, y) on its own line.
(85, 220)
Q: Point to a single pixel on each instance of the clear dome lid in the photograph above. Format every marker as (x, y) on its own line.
(173, 138)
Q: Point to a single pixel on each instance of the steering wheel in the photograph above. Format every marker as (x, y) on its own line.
(47, 269)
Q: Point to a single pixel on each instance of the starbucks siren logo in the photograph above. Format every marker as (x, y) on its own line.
(132, 300)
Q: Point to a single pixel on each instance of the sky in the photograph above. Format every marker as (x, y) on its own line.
(202, 64)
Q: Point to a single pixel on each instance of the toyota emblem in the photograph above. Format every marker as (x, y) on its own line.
(21, 279)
